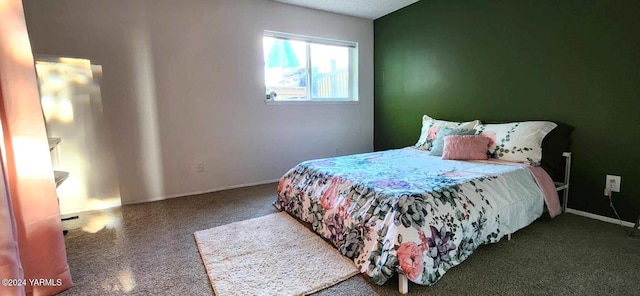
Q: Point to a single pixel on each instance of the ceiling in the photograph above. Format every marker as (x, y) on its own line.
(369, 9)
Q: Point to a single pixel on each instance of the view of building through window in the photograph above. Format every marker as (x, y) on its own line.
(302, 70)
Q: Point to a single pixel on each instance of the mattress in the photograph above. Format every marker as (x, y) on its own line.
(406, 211)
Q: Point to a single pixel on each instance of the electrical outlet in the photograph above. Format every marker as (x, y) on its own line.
(200, 168)
(613, 183)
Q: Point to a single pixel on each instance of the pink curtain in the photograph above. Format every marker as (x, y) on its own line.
(31, 242)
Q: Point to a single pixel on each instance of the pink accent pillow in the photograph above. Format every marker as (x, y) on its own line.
(465, 147)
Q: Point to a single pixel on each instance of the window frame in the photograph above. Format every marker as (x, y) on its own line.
(309, 40)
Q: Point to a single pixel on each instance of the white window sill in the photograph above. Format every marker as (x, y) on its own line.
(285, 102)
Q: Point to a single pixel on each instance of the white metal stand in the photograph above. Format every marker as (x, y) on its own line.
(565, 185)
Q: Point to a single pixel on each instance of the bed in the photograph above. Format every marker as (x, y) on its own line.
(409, 212)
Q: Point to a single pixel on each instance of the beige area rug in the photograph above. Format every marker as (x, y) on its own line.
(270, 255)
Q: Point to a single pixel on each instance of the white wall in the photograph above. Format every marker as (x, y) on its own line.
(183, 83)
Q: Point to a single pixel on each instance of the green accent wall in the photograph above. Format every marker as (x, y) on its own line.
(577, 62)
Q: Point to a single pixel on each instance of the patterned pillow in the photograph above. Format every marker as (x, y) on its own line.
(430, 128)
(516, 141)
(438, 143)
(465, 147)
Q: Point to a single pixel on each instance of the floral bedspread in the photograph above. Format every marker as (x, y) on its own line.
(405, 211)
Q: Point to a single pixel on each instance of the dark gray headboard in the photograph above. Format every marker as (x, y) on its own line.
(554, 144)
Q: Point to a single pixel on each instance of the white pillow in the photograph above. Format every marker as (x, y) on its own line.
(430, 128)
(516, 141)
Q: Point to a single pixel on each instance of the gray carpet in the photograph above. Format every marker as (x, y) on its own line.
(149, 249)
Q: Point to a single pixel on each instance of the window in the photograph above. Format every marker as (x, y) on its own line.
(303, 68)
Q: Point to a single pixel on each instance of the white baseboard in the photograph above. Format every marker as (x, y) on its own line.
(598, 217)
(102, 206)
(137, 201)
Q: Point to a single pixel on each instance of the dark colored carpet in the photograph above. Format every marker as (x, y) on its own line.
(149, 249)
